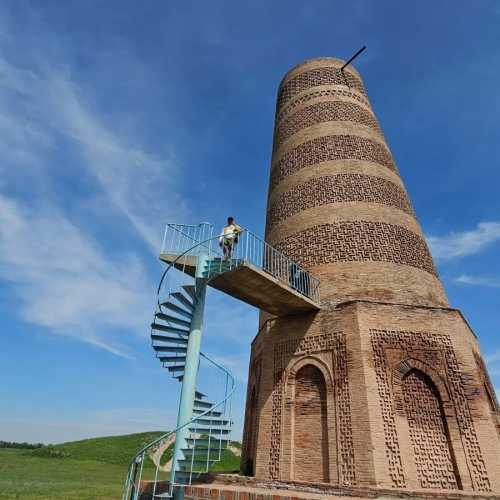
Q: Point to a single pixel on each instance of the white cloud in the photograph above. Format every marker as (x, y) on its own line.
(477, 280)
(63, 280)
(493, 357)
(461, 244)
(137, 184)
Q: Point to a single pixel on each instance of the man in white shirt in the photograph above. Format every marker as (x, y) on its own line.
(229, 237)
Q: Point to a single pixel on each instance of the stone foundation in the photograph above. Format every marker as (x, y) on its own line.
(233, 487)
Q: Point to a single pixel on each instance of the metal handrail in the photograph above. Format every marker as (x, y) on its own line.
(140, 455)
(250, 249)
(131, 481)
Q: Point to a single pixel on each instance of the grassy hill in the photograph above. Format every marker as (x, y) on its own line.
(111, 450)
(90, 469)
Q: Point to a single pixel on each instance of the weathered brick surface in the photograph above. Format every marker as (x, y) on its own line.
(332, 147)
(338, 188)
(358, 241)
(321, 112)
(384, 388)
(327, 75)
(310, 426)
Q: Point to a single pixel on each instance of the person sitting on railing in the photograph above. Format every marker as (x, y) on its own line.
(229, 237)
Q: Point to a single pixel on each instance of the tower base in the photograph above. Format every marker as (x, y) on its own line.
(372, 395)
(231, 487)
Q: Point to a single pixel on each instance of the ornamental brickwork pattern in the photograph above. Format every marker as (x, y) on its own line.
(428, 433)
(321, 112)
(328, 148)
(357, 241)
(339, 188)
(435, 351)
(315, 94)
(283, 352)
(327, 75)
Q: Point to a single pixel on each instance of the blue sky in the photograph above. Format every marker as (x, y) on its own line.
(118, 116)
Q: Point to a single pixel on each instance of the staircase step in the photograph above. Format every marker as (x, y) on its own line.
(177, 309)
(209, 430)
(176, 368)
(202, 451)
(173, 359)
(212, 421)
(171, 348)
(188, 462)
(209, 414)
(170, 341)
(190, 290)
(164, 338)
(198, 403)
(169, 329)
(205, 441)
(180, 297)
(173, 319)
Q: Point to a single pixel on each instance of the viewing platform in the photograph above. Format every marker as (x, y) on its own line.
(256, 273)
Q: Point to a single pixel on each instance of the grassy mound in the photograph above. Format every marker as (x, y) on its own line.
(90, 469)
(111, 450)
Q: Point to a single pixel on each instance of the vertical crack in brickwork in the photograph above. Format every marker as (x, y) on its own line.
(428, 433)
(283, 352)
(321, 112)
(338, 188)
(408, 344)
(328, 148)
(328, 75)
(357, 241)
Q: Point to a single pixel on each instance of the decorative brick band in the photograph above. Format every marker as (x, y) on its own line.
(327, 75)
(330, 147)
(357, 241)
(338, 188)
(321, 112)
(316, 94)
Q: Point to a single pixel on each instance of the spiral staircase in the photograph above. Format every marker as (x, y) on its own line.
(255, 273)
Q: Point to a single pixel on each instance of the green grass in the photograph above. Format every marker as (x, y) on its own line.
(91, 469)
(111, 450)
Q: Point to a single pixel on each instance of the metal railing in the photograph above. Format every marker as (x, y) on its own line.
(218, 443)
(245, 248)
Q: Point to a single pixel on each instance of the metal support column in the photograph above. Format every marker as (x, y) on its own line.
(190, 372)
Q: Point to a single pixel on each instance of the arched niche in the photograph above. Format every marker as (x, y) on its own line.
(310, 423)
(429, 436)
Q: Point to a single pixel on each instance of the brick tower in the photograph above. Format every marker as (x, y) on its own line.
(385, 386)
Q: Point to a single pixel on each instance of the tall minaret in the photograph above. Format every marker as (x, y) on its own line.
(337, 204)
(385, 386)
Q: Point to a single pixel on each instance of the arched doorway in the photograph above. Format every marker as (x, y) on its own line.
(429, 436)
(311, 457)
